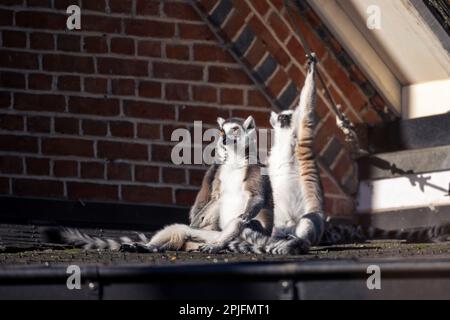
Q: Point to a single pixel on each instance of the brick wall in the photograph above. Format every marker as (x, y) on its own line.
(88, 114)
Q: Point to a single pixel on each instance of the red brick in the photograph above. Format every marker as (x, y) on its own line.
(179, 10)
(121, 129)
(69, 83)
(330, 186)
(120, 6)
(67, 147)
(161, 153)
(371, 117)
(255, 53)
(37, 188)
(177, 71)
(39, 81)
(91, 191)
(96, 85)
(63, 4)
(38, 124)
(98, 5)
(278, 26)
(123, 87)
(168, 129)
(38, 3)
(228, 75)
(122, 67)
(296, 75)
(256, 99)
(69, 43)
(149, 28)
(15, 39)
(342, 166)
(122, 45)
(10, 164)
(197, 113)
(378, 102)
(196, 177)
(67, 125)
(5, 99)
(185, 197)
(233, 24)
(204, 93)
(39, 102)
(149, 110)
(232, 96)
(92, 170)
(150, 89)
(146, 173)
(209, 52)
(178, 52)
(41, 20)
(296, 50)
(149, 48)
(101, 24)
(68, 63)
(195, 31)
(144, 194)
(11, 122)
(4, 182)
(261, 6)
(101, 107)
(119, 150)
(242, 7)
(147, 7)
(343, 206)
(65, 168)
(277, 83)
(261, 117)
(261, 30)
(177, 91)
(207, 5)
(38, 166)
(119, 171)
(95, 45)
(172, 175)
(94, 128)
(148, 131)
(18, 60)
(42, 41)
(6, 17)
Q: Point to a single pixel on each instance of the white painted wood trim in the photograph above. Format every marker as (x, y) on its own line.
(360, 50)
(404, 192)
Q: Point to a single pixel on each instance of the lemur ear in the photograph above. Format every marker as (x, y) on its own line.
(220, 121)
(249, 123)
(273, 119)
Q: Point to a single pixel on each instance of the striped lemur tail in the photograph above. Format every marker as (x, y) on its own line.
(78, 239)
(251, 242)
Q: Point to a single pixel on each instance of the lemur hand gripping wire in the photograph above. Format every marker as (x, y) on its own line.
(342, 120)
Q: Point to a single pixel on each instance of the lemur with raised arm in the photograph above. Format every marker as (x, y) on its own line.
(299, 219)
(294, 176)
(235, 196)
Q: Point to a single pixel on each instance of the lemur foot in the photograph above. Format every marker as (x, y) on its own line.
(138, 247)
(210, 248)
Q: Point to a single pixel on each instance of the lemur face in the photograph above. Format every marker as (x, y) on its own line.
(236, 131)
(282, 120)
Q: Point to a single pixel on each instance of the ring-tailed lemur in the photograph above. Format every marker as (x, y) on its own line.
(234, 196)
(297, 191)
(296, 185)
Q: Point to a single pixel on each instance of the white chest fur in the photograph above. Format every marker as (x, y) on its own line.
(233, 196)
(284, 177)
